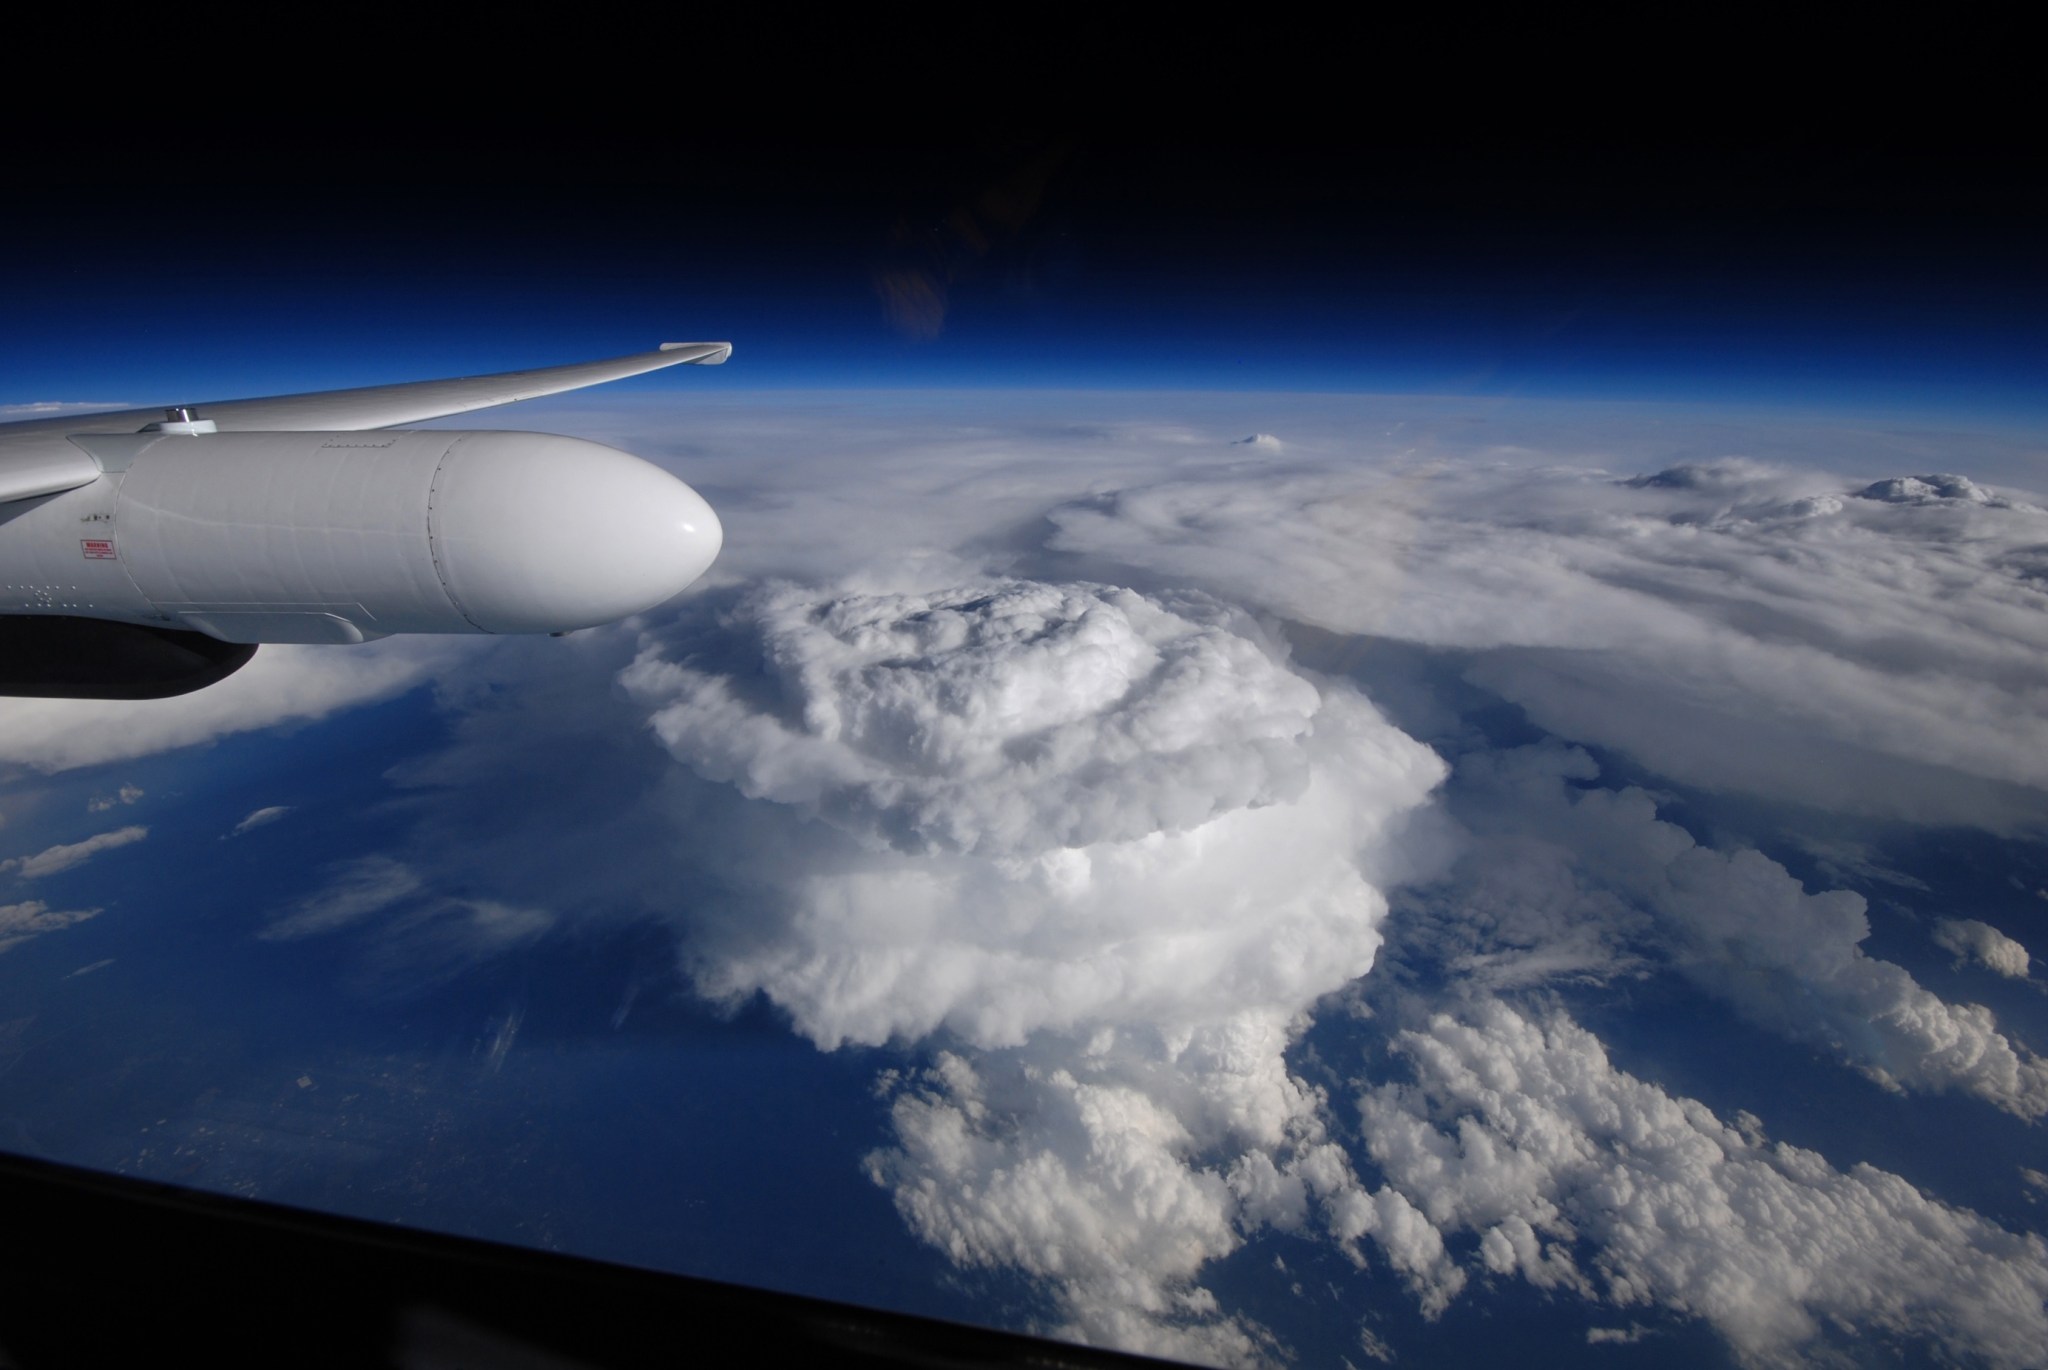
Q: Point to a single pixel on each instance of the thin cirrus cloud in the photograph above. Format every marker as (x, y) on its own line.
(414, 937)
(66, 855)
(32, 918)
(262, 817)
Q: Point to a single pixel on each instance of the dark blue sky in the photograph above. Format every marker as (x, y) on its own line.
(1904, 278)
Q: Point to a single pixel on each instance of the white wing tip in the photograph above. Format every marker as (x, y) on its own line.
(713, 358)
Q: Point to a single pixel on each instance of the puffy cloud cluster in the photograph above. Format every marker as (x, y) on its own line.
(1935, 489)
(1518, 1131)
(1112, 843)
(1571, 880)
(1094, 853)
(1115, 1168)
(1064, 805)
(1729, 624)
(1972, 940)
(1007, 719)
(936, 847)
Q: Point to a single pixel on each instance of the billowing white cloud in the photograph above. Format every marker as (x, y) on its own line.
(1569, 880)
(1109, 841)
(1731, 625)
(282, 684)
(1095, 852)
(1011, 718)
(1517, 1130)
(936, 856)
(1066, 805)
(66, 855)
(33, 918)
(1972, 940)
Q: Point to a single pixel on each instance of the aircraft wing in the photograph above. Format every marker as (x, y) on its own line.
(32, 469)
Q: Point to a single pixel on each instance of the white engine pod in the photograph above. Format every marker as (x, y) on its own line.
(534, 533)
(321, 537)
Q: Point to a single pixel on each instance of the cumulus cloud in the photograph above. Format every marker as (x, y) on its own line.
(1971, 940)
(1012, 718)
(259, 818)
(1064, 805)
(1113, 843)
(1518, 1131)
(66, 855)
(935, 838)
(21, 922)
(1568, 879)
(100, 803)
(1936, 489)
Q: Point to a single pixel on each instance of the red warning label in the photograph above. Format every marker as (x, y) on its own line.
(97, 549)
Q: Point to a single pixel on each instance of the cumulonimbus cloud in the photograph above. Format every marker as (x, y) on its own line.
(1073, 805)
(1111, 841)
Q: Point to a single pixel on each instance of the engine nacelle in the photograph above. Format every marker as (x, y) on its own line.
(51, 655)
(341, 537)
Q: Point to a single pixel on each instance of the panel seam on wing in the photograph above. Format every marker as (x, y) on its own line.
(434, 537)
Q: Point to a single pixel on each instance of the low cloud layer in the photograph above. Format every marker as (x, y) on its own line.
(1566, 880)
(1576, 1176)
(1729, 624)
